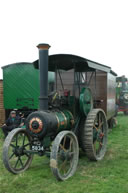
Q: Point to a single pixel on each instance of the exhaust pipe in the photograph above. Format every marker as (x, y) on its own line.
(43, 67)
(123, 83)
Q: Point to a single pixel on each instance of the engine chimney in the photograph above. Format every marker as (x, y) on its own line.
(43, 67)
(123, 83)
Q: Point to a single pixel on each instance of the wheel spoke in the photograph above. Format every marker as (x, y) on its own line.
(97, 147)
(63, 164)
(61, 146)
(64, 141)
(16, 139)
(16, 163)
(12, 145)
(11, 155)
(21, 162)
(95, 127)
(100, 125)
(24, 140)
(27, 144)
(101, 135)
(28, 155)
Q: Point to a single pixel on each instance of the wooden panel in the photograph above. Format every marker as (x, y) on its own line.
(105, 91)
(100, 91)
(111, 95)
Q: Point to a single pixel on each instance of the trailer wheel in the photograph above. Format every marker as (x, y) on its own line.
(116, 110)
(64, 155)
(15, 157)
(93, 134)
(112, 123)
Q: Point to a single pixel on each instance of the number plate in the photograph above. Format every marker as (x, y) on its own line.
(37, 148)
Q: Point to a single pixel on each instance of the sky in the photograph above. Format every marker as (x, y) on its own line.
(94, 29)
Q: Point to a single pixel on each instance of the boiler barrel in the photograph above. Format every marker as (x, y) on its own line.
(40, 123)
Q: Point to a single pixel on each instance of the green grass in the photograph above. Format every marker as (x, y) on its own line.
(107, 176)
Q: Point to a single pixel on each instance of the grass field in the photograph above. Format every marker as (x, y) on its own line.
(107, 176)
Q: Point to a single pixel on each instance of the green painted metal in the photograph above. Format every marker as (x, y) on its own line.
(86, 101)
(65, 120)
(118, 91)
(21, 86)
(46, 142)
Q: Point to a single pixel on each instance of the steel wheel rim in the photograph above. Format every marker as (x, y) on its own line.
(15, 157)
(18, 148)
(56, 155)
(66, 153)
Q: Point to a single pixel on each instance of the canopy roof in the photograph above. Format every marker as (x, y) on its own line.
(68, 62)
(120, 78)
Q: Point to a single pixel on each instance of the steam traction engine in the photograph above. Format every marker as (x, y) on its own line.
(122, 94)
(73, 114)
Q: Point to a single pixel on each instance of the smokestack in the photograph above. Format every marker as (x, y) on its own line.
(123, 83)
(43, 67)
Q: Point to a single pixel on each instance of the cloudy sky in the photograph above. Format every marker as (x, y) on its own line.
(94, 29)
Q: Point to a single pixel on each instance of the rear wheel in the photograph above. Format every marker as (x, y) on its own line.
(15, 151)
(93, 134)
(64, 155)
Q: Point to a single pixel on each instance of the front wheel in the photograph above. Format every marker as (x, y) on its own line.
(16, 156)
(64, 155)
